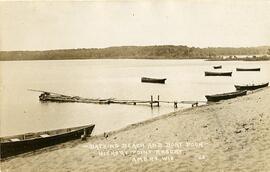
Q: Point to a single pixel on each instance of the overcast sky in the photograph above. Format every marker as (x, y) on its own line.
(61, 25)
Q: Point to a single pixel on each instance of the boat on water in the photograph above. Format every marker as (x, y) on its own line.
(225, 96)
(218, 73)
(248, 69)
(217, 67)
(153, 80)
(18, 144)
(251, 87)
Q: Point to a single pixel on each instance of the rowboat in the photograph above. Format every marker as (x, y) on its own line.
(153, 80)
(217, 67)
(218, 73)
(14, 145)
(248, 69)
(251, 87)
(224, 96)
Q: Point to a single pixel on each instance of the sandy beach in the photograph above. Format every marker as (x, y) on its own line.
(232, 135)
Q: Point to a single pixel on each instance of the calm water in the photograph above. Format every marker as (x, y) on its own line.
(22, 112)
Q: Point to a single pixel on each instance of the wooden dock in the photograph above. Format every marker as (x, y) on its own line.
(61, 98)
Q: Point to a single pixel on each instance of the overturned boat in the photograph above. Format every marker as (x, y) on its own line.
(224, 96)
(153, 80)
(248, 69)
(55, 97)
(14, 145)
(251, 87)
(218, 73)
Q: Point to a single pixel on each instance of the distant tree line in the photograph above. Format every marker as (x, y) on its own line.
(135, 52)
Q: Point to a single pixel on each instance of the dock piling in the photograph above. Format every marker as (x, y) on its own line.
(151, 102)
(158, 100)
(175, 104)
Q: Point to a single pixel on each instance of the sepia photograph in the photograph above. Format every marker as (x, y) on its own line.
(135, 86)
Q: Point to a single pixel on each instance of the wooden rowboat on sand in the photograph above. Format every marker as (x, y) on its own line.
(224, 96)
(14, 145)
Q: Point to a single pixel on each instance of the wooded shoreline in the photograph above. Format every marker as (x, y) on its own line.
(142, 52)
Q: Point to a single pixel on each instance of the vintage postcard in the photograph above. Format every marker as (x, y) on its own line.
(135, 85)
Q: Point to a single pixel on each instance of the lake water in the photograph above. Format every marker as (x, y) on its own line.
(21, 111)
